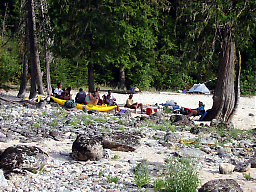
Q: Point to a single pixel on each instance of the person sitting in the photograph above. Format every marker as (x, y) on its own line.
(198, 111)
(80, 96)
(110, 102)
(91, 98)
(66, 95)
(130, 104)
(57, 92)
(97, 96)
(111, 96)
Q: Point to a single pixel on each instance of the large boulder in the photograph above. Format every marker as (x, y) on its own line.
(197, 130)
(191, 153)
(22, 157)
(221, 185)
(253, 162)
(87, 148)
(226, 168)
(121, 141)
(220, 124)
(181, 120)
(171, 137)
(242, 166)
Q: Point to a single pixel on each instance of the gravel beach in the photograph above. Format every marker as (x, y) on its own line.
(54, 129)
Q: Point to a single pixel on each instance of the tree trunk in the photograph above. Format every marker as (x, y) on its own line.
(35, 62)
(24, 75)
(122, 79)
(237, 86)
(48, 76)
(91, 76)
(5, 16)
(48, 55)
(224, 96)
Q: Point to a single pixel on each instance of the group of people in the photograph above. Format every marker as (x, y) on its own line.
(108, 99)
(94, 98)
(62, 93)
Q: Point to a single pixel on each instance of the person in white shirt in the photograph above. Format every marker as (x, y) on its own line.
(57, 92)
(111, 96)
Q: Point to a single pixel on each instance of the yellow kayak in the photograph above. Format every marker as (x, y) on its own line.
(89, 107)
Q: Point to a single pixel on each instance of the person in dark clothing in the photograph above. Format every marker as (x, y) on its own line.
(80, 97)
(66, 95)
(198, 111)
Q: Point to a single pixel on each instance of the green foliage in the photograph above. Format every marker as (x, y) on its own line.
(37, 125)
(69, 72)
(159, 47)
(236, 134)
(119, 122)
(9, 67)
(105, 130)
(248, 80)
(116, 157)
(100, 119)
(158, 127)
(111, 179)
(141, 175)
(247, 176)
(121, 128)
(100, 174)
(179, 175)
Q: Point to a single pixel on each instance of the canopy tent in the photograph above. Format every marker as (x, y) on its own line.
(199, 88)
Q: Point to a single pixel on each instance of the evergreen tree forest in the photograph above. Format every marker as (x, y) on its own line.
(151, 44)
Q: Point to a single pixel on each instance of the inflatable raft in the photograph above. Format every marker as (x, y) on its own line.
(89, 107)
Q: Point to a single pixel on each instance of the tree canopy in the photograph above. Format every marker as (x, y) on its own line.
(150, 44)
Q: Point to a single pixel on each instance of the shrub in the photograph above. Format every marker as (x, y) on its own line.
(179, 175)
(116, 157)
(247, 176)
(141, 174)
(111, 179)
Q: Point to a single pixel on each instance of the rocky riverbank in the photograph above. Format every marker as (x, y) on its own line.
(53, 129)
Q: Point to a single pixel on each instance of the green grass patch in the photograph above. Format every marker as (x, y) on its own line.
(179, 175)
(54, 123)
(116, 157)
(111, 179)
(106, 130)
(100, 119)
(141, 174)
(158, 127)
(37, 125)
(119, 122)
(121, 128)
(87, 121)
(247, 176)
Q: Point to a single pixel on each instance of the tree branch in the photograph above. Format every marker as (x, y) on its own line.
(242, 9)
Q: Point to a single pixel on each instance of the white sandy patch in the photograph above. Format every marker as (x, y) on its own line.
(245, 117)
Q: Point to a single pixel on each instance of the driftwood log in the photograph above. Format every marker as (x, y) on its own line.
(21, 102)
(123, 92)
